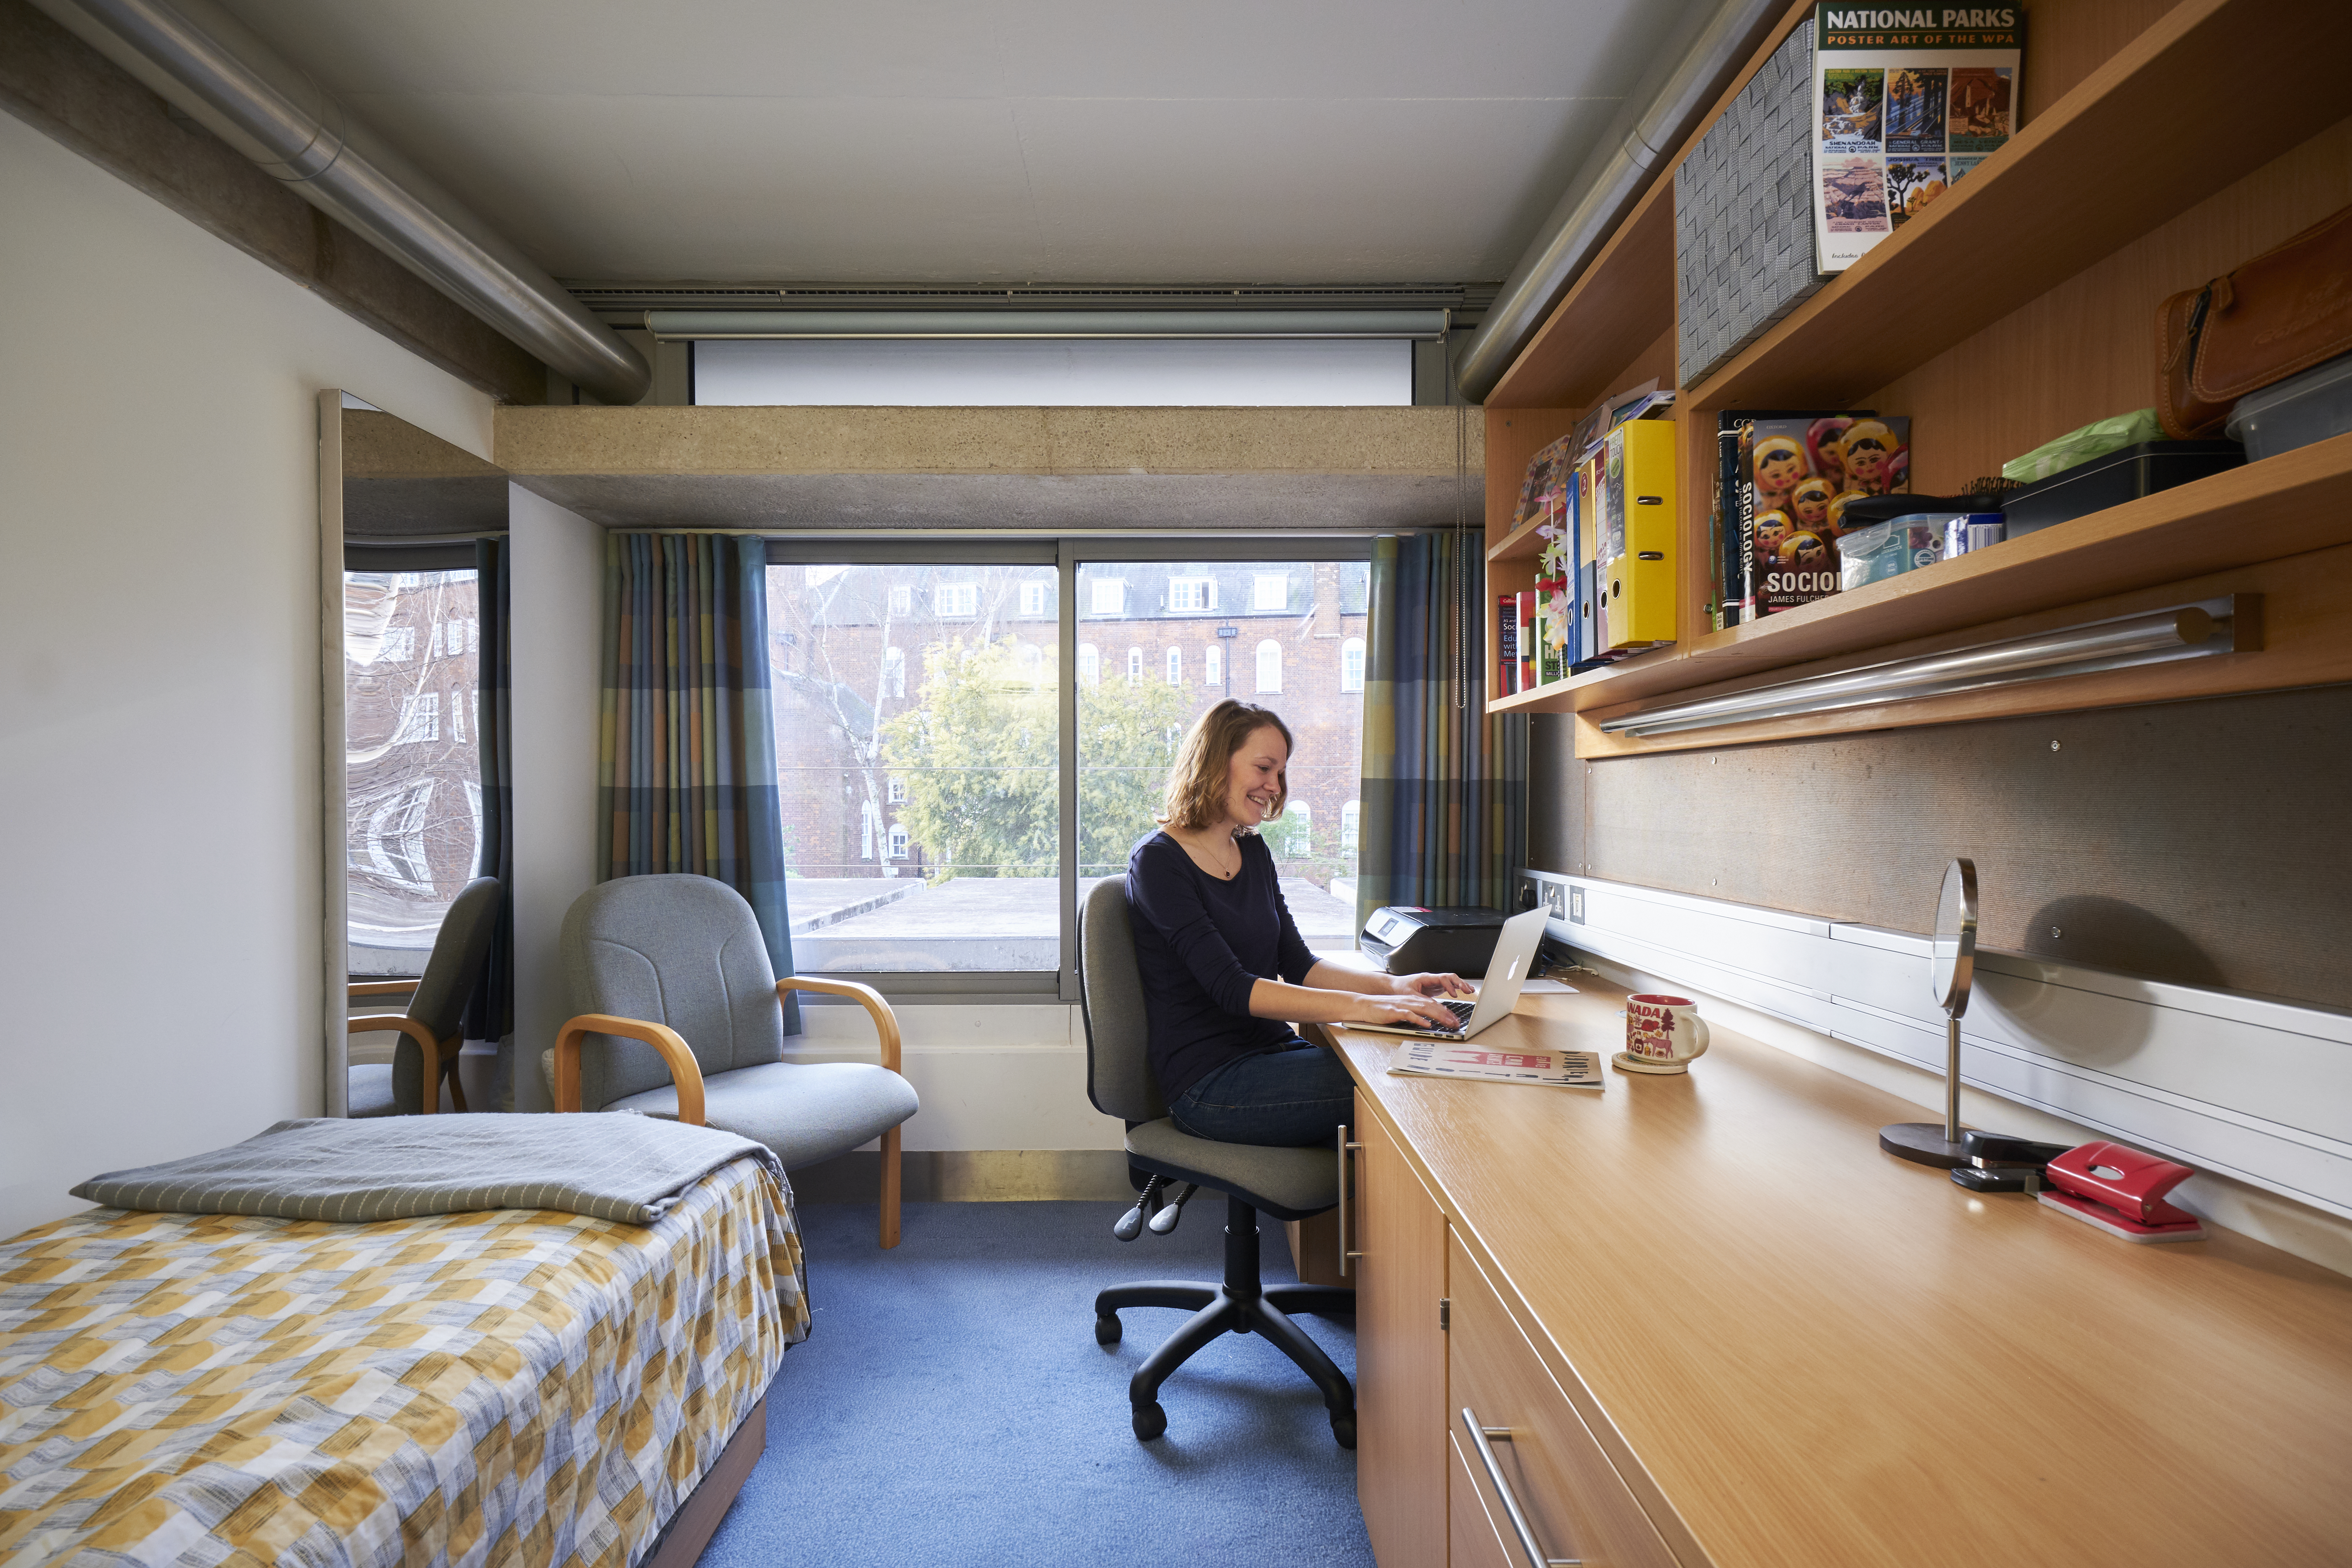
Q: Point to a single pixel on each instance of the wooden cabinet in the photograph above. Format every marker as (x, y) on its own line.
(1572, 1497)
(1398, 1233)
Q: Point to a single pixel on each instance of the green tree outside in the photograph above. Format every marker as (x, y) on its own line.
(978, 757)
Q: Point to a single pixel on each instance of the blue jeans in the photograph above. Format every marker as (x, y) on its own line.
(1285, 1098)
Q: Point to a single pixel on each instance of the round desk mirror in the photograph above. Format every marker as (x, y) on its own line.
(1952, 951)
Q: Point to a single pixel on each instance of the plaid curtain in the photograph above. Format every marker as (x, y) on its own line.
(1445, 787)
(489, 1012)
(686, 755)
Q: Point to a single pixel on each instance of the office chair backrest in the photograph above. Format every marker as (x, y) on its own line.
(1118, 1061)
(460, 949)
(673, 949)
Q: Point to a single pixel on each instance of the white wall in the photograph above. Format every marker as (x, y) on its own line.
(558, 608)
(160, 908)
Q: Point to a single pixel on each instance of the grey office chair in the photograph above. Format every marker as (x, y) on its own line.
(681, 1016)
(1289, 1184)
(429, 1027)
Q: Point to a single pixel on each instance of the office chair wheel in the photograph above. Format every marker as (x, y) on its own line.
(1343, 1428)
(1150, 1421)
(1107, 1329)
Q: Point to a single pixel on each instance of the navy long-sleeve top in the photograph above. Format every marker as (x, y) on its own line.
(1200, 944)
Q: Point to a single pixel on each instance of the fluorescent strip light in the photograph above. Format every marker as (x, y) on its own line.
(670, 326)
(2227, 625)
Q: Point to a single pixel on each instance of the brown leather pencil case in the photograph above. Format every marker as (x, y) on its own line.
(2281, 312)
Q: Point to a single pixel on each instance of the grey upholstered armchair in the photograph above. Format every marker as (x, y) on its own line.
(681, 1016)
(411, 1084)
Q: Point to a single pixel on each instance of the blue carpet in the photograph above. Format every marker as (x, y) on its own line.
(951, 1406)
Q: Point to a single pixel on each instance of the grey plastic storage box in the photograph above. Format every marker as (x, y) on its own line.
(2295, 412)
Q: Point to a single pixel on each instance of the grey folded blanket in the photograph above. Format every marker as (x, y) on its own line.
(632, 1169)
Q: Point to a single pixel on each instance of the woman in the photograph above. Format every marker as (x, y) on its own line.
(1225, 977)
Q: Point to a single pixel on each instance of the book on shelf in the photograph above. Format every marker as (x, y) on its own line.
(1506, 645)
(1797, 473)
(1527, 599)
(1907, 101)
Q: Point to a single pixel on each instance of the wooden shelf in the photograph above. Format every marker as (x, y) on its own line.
(1620, 304)
(2081, 179)
(2292, 504)
(1523, 542)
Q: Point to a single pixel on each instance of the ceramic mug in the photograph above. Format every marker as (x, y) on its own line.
(1663, 1033)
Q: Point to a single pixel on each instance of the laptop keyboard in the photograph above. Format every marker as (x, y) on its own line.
(1461, 1011)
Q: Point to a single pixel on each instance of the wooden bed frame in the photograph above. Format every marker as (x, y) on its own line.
(689, 1530)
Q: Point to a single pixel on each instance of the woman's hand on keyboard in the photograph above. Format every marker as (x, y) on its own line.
(1433, 985)
(1402, 1013)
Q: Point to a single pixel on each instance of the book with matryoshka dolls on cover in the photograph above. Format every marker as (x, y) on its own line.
(1796, 475)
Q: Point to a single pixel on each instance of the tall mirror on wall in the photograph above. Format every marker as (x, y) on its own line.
(419, 793)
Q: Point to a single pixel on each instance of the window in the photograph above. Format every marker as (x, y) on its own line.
(1351, 817)
(1127, 738)
(1270, 666)
(412, 786)
(919, 768)
(1107, 597)
(1036, 597)
(921, 760)
(1270, 591)
(902, 600)
(420, 719)
(1352, 665)
(1229, 373)
(1194, 594)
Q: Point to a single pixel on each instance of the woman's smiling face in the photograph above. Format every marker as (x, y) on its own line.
(1254, 780)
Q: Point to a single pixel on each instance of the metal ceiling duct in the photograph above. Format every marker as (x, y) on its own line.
(204, 61)
(1662, 111)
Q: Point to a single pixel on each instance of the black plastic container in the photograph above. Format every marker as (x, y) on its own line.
(2123, 475)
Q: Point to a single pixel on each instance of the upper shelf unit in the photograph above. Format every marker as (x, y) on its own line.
(2209, 91)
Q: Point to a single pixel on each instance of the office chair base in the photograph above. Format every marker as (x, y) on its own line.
(1241, 1305)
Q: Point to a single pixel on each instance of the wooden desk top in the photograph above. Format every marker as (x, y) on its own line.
(1823, 1355)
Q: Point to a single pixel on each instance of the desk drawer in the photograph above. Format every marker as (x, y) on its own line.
(1570, 1493)
(1477, 1532)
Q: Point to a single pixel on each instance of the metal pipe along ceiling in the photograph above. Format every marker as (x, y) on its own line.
(207, 63)
(1662, 111)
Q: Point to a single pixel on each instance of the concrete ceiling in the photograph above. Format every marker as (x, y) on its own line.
(1027, 141)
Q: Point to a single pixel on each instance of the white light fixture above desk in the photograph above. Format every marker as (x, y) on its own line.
(2229, 624)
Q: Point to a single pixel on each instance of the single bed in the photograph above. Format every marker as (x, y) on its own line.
(512, 1385)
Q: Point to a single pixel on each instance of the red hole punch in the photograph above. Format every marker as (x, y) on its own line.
(2121, 1191)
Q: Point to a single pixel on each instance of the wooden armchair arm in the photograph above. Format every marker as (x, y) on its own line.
(370, 1023)
(684, 1070)
(886, 1022)
(382, 988)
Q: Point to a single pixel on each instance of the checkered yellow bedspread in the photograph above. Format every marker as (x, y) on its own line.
(516, 1386)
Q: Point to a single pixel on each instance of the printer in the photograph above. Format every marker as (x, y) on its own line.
(1407, 940)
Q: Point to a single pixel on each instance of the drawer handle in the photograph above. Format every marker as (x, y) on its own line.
(1344, 1253)
(1485, 1438)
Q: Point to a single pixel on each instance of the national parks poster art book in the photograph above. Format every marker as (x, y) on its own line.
(1907, 98)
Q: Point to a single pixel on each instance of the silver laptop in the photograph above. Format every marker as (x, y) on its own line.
(1515, 954)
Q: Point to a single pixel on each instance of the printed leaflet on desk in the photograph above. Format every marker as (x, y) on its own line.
(1441, 1059)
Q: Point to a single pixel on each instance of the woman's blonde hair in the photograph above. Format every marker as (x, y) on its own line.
(1196, 784)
